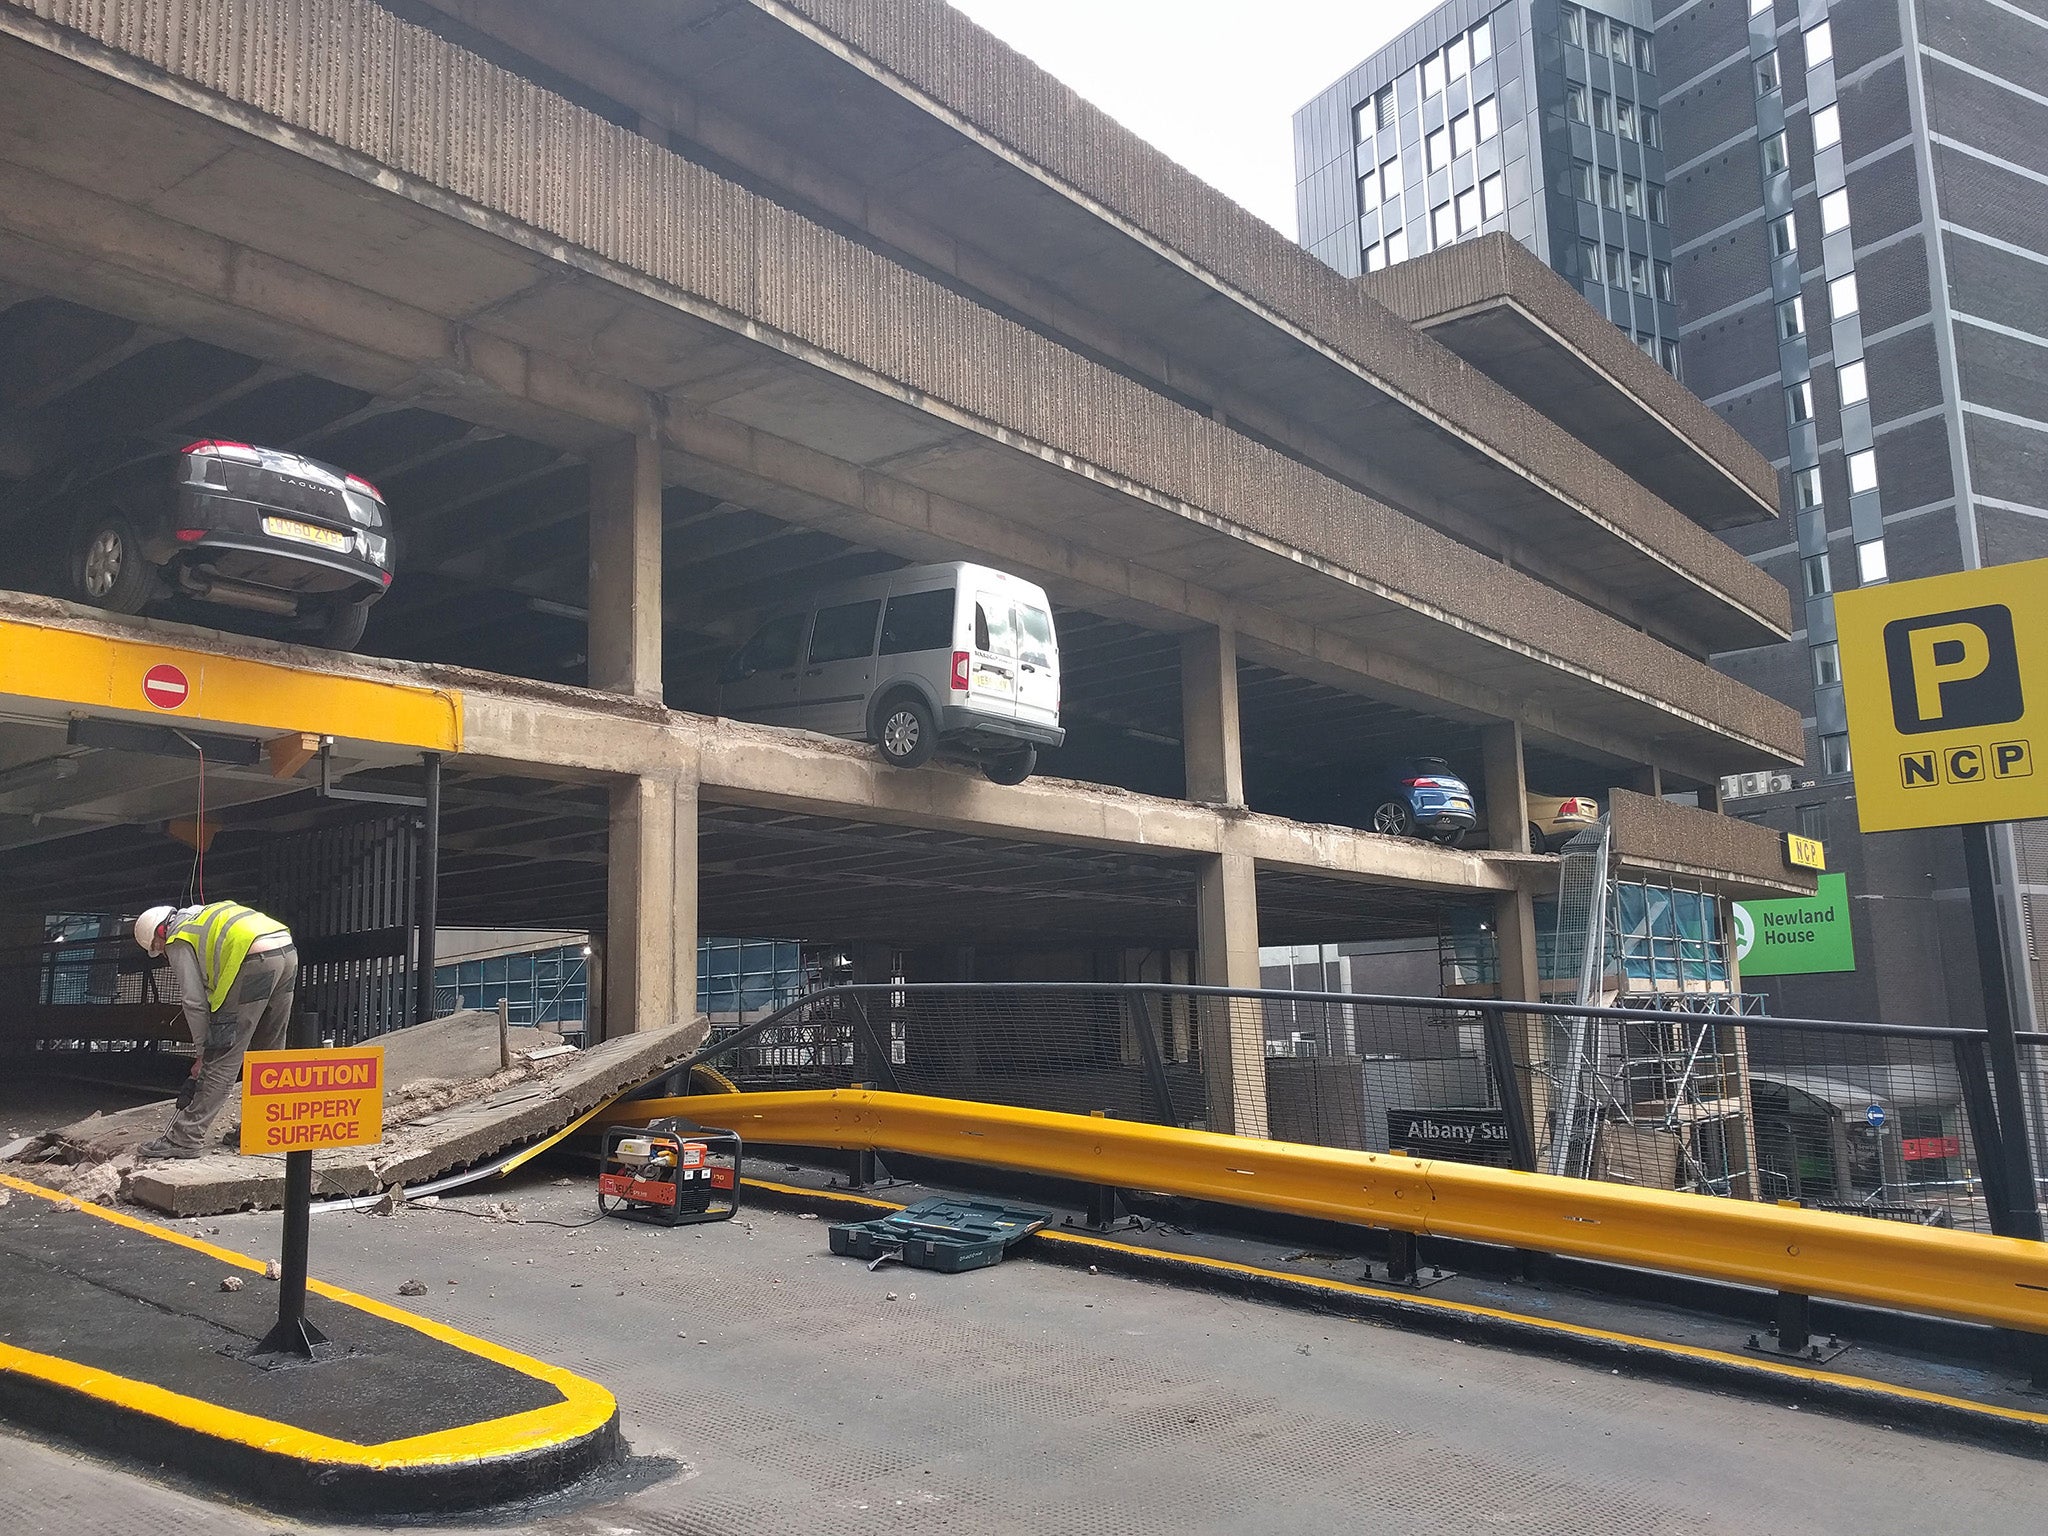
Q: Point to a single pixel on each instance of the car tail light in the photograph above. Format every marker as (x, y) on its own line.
(363, 485)
(225, 449)
(387, 577)
(191, 535)
(960, 660)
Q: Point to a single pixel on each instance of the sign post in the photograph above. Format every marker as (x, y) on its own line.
(296, 1102)
(1946, 684)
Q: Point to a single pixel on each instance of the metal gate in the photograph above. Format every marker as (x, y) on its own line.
(349, 893)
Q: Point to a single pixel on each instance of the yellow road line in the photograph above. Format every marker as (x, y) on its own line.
(1474, 1310)
(585, 1408)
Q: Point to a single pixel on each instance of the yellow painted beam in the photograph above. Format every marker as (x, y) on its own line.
(1964, 1275)
(105, 674)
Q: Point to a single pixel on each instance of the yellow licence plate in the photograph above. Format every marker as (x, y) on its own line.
(305, 533)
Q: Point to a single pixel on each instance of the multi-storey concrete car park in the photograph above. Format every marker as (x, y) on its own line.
(642, 315)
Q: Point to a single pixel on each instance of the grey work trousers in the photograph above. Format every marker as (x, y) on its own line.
(254, 1015)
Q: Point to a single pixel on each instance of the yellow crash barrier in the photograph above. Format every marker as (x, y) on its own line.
(1850, 1258)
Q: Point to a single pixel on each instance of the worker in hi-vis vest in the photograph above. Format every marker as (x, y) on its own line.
(236, 971)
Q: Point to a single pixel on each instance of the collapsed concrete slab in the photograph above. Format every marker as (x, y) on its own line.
(529, 1102)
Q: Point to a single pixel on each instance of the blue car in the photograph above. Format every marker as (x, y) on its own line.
(1423, 797)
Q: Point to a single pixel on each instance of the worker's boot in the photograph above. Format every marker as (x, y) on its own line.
(158, 1150)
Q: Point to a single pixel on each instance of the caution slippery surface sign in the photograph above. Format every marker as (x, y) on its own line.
(304, 1101)
(1946, 684)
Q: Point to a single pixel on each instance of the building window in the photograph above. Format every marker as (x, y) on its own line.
(1482, 42)
(1671, 359)
(1805, 488)
(1468, 210)
(1487, 115)
(1820, 44)
(1493, 196)
(1842, 298)
(1619, 42)
(1799, 402)
(1582, 180)
(1625, 119)
(1834, 754)
(1442, 231)
(1361, 123)
(1383, 108)
(1368, 191)
(1767, 79)
(1813, 822)
(1855, 383)
(1664, 289)
(1457, 59)
(1653, 134)
(1862, 471)
(1638, 272)
(1433, 75)
(1610, 189)
(1657, 204)
(1575, 103)
(1827, 128)
(1589, 258)
(1397, 246)
(1374, 257)
(1462, 140)
(1834, 211)
(1819, 581)
(1784, 236)
(1827, 664)
(1774, 154)
(1792, 318)
(1759, 7)
(1647, 345)
(1603, 111)
(1596, 33)
(1438, 145)
(1646, 55)
(1617, 268)
(1870, 563)
(1632, 196)
(1574, 24)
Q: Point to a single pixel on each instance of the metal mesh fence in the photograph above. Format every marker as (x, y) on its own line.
(1867, 1119)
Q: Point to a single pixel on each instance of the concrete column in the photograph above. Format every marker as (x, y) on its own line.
(1208, 714)
(625, 567)
(1647, 780)
(1507, 812)
(651, 906)
(1233, 1029)
(1514, 931)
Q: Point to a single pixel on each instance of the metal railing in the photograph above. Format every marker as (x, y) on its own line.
(1884, 1120)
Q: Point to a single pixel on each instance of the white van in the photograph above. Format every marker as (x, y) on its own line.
(956, 654)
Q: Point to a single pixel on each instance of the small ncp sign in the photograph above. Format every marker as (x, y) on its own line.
(1946, 683)
(305, 1101)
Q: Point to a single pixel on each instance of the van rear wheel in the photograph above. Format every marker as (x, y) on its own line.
(1011, 767)
(905, 733)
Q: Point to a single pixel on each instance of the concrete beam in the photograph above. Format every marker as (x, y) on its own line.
(1209, 721)
(625, 567)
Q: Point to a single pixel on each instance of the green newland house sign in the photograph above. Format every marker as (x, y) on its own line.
(1800, 937)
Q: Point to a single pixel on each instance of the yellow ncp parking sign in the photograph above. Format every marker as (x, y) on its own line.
(1946, 682)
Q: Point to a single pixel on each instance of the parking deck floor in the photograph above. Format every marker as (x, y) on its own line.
(770, 1387)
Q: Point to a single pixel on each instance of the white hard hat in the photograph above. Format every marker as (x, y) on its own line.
(147, 925)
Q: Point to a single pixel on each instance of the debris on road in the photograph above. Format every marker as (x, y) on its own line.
(413, 1288)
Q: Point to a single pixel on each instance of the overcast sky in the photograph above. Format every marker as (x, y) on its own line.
(1213, 83)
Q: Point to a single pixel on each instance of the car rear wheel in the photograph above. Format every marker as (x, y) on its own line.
(1010, 767)
(1396, 818)
(905, 733)
(342, 624)
(1536, 839)
(107, 567)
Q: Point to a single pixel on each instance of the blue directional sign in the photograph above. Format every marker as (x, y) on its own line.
(1875, 1115)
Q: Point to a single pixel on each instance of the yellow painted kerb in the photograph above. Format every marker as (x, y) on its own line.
(106, 672)
(585, 1408)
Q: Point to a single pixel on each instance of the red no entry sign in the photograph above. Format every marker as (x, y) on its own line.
(165, 687)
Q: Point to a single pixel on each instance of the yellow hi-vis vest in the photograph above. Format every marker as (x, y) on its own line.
(220, 934)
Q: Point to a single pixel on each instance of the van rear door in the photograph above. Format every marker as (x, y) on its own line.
(1038, 664)
(992, 669)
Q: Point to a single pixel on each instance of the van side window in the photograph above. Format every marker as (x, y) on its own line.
(992, 625)
(845, 632)
(1034, 635)
(773, 647)
(918, 621)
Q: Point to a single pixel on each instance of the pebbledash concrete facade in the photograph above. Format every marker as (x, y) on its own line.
(862, 270)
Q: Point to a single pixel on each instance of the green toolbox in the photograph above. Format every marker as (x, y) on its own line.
(947, 1235)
